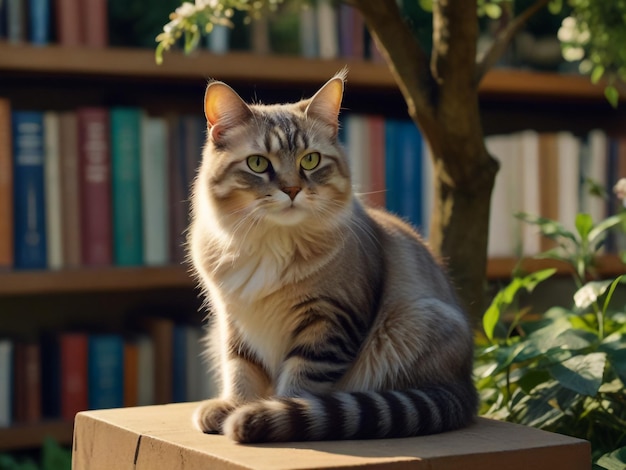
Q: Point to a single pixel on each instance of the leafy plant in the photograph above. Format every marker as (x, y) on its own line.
(566, 371)
(53, 457)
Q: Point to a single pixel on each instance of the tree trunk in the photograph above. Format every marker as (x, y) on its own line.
(442, 98)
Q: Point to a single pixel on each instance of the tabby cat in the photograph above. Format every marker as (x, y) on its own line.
(329, 320)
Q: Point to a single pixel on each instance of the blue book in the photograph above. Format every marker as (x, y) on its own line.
(410, 151)
(179, 364)
(126, 183)
(105, 365)
(393, 168)
(28, 190)
(39, 21)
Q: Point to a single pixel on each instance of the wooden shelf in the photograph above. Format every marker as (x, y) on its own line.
(30, 436)
(93, 280)
(501, 268)
(128, 63)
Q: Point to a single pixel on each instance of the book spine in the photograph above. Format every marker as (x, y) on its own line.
(155, 191)
(95, 23)
(73, 364)
(70, 191)
(106, 372)
(28, 196)
(54, 209)
(68, 23)
(126, 181)
(16, 20)
(39, 16)
(328, 34)
(392, 166)
(95, 187)
(6, 372)
(6, 186)
(218, 40)
(308, 32)
(376, 134)
(411, 155)
(131, 373)
(178, 207)
(146, 374)
(32, 383)
(179, 364)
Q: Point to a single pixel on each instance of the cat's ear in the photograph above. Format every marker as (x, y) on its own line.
(326, 103)
(223, 108)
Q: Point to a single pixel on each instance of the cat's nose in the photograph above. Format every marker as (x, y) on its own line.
(291, 191)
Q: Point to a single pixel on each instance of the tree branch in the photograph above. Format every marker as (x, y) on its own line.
(405, 57)
(504, 38)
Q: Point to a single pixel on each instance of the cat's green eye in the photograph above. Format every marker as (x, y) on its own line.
(258, 163)
(310, 160)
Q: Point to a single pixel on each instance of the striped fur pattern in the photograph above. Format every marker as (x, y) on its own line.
(328, 319)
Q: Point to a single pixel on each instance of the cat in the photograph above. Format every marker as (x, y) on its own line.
(329, 320)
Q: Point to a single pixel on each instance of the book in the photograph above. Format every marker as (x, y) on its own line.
(28, 190)
(50, 376)
(351, 32)
(410, 143)
(260, 35)
(155, 191)
(70, 190)
(26, 382)
(594, 173)
(69, 30)
(308, 32)
(428, 188)
(219, 38)
(196, 369)
(73, 364)
(94, 162)
(52, 185)
(179, 363)
(16, 21)
(549, 190)
(145, 374)
(94, 21)
(126, 184)
(393, 166)
(528, 151)
(358, 149)
(327, 23)
(131, 373)
(6, 186)
(375, 133)
(39, 22)
(105, 371)
(569, 179)
(178, 200)
(6, 372)
(161, 331)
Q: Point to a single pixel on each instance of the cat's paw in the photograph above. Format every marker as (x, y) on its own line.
(248, 423)
(210, 414)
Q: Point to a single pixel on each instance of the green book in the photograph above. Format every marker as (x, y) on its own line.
(126, 181)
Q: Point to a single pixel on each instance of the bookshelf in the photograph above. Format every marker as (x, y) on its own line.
(61, 78)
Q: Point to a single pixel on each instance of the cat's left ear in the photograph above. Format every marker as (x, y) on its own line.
(223, 108)
(326, 103)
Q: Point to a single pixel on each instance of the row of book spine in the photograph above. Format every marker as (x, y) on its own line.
(67, 22)
(64, 373)
(555, 175)
(95, 186)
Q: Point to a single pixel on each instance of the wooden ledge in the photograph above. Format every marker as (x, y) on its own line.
(162, 436)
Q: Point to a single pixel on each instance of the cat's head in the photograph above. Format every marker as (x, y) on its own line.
(280, 165)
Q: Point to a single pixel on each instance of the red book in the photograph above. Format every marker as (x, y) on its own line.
(376, 127)
(94, 162)
(95, 23)
(131, 373)
(68, 22)
(73, 361)
(6, 186)
(27, 383)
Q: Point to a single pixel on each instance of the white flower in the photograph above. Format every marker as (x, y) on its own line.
(620, 190)
(186, 9)
(572, 54)
(567, 30)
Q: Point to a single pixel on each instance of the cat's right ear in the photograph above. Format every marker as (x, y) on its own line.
(223, 108)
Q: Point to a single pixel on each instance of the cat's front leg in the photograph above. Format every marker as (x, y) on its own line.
(243, 381)
(321, 353)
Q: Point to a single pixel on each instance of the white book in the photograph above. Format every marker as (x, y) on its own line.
(359, 154)
(502, 239)
(154, 188)
(595, 170)
(53, 190)
(327, 29)
(6, 382)
(145, 379)
(569, 179)
(528, 148)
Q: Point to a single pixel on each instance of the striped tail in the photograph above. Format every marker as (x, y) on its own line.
(354, 415)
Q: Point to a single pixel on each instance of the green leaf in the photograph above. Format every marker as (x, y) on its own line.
(617, 359)
(605, 225)
(492, 10)
(555, 6)
(426, 5)
(491, 318)
(584, 224)
(581, 374)
(597, 73)
(612, 95)
(609, 296)
(615, 460)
